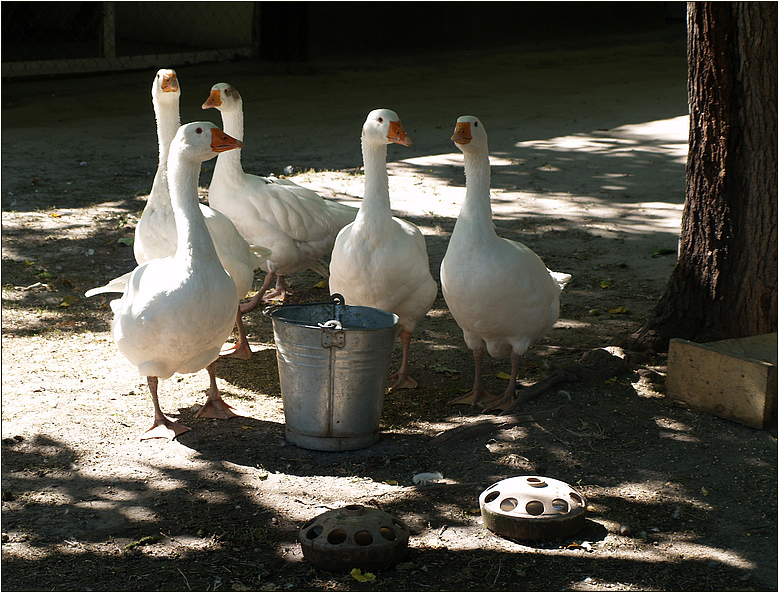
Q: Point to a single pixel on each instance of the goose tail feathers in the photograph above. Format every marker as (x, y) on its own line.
(321, 268)
(115, 285)
(560, 277)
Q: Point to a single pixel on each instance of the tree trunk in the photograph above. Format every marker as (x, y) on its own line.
(724, 284)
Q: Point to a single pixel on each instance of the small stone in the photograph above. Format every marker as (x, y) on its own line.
(625, 530)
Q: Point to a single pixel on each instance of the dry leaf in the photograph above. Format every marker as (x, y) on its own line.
(360, 576)
(68, 300)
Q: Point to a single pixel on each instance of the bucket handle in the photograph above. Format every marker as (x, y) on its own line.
(336, 299)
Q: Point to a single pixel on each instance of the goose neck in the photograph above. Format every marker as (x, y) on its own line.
(376, 198)
(168, 121)
(477, 172)
(477, 191)
(232, 124)
(194, 240)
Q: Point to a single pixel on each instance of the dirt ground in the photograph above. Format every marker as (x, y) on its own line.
(588, 150)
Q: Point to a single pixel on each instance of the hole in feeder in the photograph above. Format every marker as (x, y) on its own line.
(576, 498)
(387, 534)
(508, 504)
(536, 482)
(560, 505)
(491, 496)
(315, 532)
(337, 536)
(309, 523)
(534, 507)
(363, 538)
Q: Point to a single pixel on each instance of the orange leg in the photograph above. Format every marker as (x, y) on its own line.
(263, 295)
(215, 406)
(241, 349)
(479, 393)
(501, 402)
(163, 428)
(401, 379)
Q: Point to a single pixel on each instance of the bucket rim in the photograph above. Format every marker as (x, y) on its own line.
(275, 312)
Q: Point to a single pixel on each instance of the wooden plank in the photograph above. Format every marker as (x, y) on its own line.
(89, 65)
(733, 379)
(108, 31)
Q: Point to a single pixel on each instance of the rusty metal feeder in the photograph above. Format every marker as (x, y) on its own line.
(532, 508)
(354, 537)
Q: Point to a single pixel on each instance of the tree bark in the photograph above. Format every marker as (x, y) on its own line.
(724, 284)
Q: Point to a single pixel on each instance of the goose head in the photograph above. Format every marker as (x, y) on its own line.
(223, 97)
(166, 86)
(383, 127)
(469, 134)
(202, 140)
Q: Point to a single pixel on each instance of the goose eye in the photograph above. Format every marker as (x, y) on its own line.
(381, 120)
(475, 124)
(198, 130)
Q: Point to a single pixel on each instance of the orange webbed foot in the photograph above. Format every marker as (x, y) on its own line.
(164, 428)
(219, 409)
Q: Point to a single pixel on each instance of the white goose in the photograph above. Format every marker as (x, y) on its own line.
(522, 302)
(379, 260)
(177, 311)
(296, 223)
(155, 235)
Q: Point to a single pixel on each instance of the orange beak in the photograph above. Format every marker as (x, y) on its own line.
(170, 83)
(214, 100)
(462, 133)
(220, 142)
(397, 134)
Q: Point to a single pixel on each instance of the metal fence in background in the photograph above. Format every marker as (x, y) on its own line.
(46, 38)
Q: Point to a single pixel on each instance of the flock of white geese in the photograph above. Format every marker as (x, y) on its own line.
(196, 263)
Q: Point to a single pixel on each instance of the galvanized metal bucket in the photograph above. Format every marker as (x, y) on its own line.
(333, 364)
